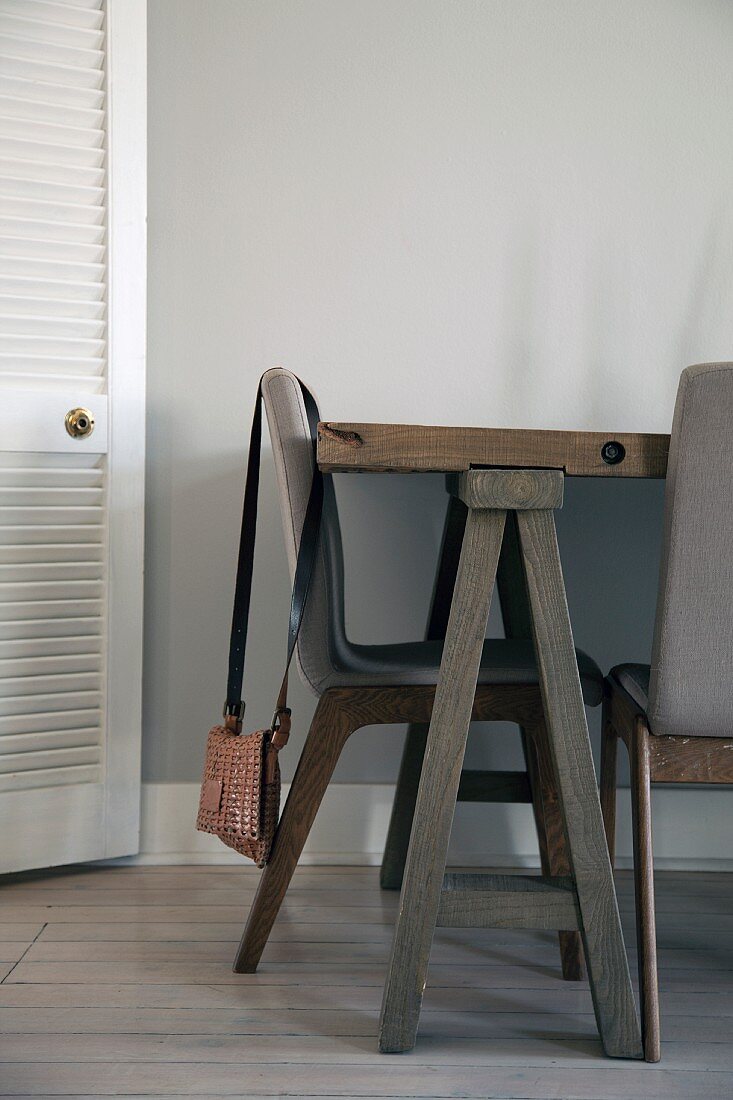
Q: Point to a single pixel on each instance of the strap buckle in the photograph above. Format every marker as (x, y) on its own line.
(280, 727)
(233, 713)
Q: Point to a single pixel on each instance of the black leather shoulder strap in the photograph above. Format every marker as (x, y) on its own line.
(309, 538)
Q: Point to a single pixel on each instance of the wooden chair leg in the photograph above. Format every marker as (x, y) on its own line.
(403, 808)
(329, 731)
(532, 768)
(554, 851)
(436, 799)
(646, 939)
(609, 754)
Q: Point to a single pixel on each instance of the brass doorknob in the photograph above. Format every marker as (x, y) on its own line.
(79, 422)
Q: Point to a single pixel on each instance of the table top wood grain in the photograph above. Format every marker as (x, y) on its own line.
(380, 448)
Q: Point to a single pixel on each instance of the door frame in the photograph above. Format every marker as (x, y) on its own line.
(126, 308)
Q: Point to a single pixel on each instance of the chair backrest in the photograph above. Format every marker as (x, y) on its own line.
(322, 635)
(691, 685)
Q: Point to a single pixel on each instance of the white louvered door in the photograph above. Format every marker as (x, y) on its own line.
(72, 266)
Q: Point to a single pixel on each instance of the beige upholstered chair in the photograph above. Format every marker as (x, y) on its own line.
(675, 715)
(362, 685)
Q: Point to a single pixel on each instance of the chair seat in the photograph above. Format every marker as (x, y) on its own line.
(504, 661)
(635, 680)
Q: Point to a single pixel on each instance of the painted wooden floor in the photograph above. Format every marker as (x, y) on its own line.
(117, 982)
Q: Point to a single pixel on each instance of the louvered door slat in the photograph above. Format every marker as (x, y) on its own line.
(54, 328)
(35, 224)
(18, 61)
(37, 470)
(57, 757)
(43, 703)
(46, 309)
(48, 721)
(50, 590)
(65, 270)
(24, 287)
(26, 90)
(63, 645)
(18, 41)
(38, 572)
(21, 687)
(13, 104)
(32, 379)
(53, 133)
(21, 612)
(73, 14)
(51, 777)
(35, 246)
(51, 210)
(59, 664)
(49, 172)
(14, 185)
(76, 737)
(47, 28)
(41, 534)
(96, 5)
(55, 493)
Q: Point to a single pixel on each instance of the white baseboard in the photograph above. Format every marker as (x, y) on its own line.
(692, 829)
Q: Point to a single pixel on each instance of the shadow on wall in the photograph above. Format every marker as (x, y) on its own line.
(609, 533)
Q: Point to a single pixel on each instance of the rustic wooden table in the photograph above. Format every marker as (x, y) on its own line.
(500, 474)
(379, 448)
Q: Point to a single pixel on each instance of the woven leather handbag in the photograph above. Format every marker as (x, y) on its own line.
(240, 790)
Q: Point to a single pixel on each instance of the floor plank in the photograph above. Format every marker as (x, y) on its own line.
(566, 998)
(20, 933)
(13, 950)
(471, 975)
(557, 1021)
(434, 1049)
(403, 1078)
(289, 931)
(461, 953)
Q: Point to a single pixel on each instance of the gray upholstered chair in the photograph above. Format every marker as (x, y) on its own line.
(675, 715)
(363, 685)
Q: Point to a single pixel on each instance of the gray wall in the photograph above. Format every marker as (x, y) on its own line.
(494, 213)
